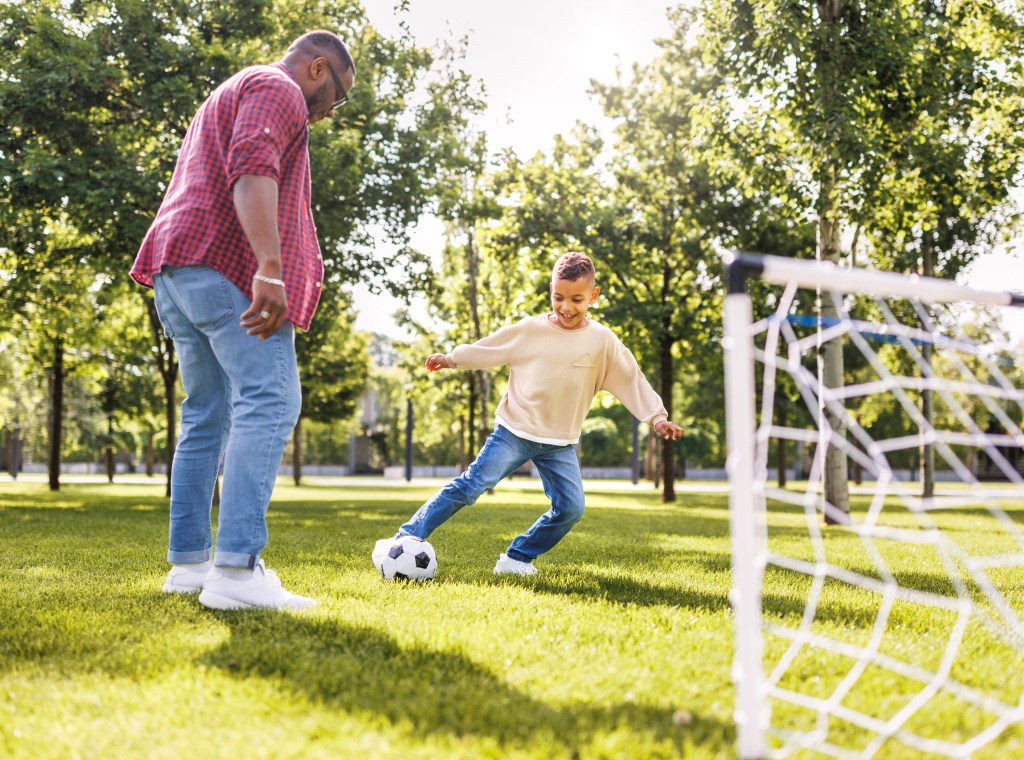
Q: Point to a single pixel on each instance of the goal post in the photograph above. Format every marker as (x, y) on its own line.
(746, 586)
(827, 657)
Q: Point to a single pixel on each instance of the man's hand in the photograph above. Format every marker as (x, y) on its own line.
(437, 362)
(256, 202)
(266, 314)
(669, 430)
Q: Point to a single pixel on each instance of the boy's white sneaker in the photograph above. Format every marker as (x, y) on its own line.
(507, 565)
(187, 579)
(262, 588)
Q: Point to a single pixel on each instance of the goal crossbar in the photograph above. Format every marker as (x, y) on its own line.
(805, 273)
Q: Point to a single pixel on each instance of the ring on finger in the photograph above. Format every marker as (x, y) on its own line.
(265, 314)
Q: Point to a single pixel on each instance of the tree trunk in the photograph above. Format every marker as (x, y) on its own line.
(56, 413)
(463, 459)
(168, 366)
(150, 435)
(927, 395)
(109, 453)
(297, 452)
(9, 464)
(653, 469)
(473, 283)
(830, 364)
(472, 413)
(485, 419)
(668, 493)
(171, 409)
(830, 356)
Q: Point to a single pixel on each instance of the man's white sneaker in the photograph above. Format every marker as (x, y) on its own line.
(187, 579)
(262, 588)
(507, 565)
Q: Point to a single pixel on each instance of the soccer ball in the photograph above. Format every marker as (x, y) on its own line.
(406, 558)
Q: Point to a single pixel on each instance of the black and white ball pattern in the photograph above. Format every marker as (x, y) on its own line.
(406, 558)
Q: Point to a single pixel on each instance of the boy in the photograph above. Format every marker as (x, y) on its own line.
(558, 362)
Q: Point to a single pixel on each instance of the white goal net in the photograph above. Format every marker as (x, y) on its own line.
(897, 632)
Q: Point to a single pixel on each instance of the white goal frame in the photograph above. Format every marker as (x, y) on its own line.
(746, 469)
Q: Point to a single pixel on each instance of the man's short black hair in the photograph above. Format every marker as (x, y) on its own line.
(323, 42)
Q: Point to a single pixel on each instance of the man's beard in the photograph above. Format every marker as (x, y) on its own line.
(316, 97)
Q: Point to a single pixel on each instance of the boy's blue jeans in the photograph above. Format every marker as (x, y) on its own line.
(503, 452)
(242, 402)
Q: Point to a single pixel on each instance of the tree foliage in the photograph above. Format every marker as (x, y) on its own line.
(125, 77)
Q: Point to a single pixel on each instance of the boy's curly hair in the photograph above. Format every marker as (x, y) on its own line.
(574, 265)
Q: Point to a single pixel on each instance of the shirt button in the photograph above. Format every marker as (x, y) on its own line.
(318, 284)
(266, 130)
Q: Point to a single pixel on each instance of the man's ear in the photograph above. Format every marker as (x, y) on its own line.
(317, 68)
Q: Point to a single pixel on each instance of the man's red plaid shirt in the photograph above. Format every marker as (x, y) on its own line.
(254, 123)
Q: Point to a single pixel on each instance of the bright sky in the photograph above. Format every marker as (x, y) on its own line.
(536, 59)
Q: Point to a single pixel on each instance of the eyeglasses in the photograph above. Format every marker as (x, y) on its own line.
(341, 88)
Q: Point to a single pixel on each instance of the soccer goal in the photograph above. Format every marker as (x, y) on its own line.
(889, 625)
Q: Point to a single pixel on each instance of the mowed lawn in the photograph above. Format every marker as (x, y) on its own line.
(620, 648)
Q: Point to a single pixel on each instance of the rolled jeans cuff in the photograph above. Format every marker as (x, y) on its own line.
(189, 558)
(236, 559)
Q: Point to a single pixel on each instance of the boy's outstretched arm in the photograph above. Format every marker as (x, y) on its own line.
(668, 430)
(437, 362)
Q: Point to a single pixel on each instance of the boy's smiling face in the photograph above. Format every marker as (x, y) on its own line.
(570, 300)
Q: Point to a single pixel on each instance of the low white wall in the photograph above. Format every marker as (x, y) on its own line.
(397, 472)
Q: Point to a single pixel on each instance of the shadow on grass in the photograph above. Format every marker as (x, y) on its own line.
(621, 589)
(364, 672)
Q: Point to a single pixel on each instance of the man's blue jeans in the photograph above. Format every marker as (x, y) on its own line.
(503, 452)
(242, 402)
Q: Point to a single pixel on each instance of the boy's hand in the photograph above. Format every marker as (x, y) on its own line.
(436, 362)
(669, 430)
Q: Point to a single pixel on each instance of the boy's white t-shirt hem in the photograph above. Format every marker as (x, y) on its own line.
(535, 438)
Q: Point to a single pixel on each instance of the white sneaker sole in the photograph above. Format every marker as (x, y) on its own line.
(171, 589)
(217, 601)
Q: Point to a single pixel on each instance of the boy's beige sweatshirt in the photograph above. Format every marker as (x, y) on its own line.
(554, 375)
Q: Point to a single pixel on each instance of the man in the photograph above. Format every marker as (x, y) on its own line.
(235, 266)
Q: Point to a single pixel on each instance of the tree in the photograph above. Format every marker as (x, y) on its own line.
(649, 213)
(126, 77)
(334, 372)
(465, 201)
(47, 307)
(834, 92)
(957, 151)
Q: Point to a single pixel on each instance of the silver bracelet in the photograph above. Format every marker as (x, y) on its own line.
(268, 280)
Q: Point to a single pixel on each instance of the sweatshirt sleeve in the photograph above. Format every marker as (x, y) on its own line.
(492, 351)
(627, 383)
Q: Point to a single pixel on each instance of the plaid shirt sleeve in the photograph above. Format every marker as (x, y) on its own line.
(269, 118)
(255, 123)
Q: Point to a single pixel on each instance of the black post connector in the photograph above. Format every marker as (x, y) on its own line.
(739, 268)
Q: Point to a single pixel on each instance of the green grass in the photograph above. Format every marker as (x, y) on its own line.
(620, 648)
(626, 629)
